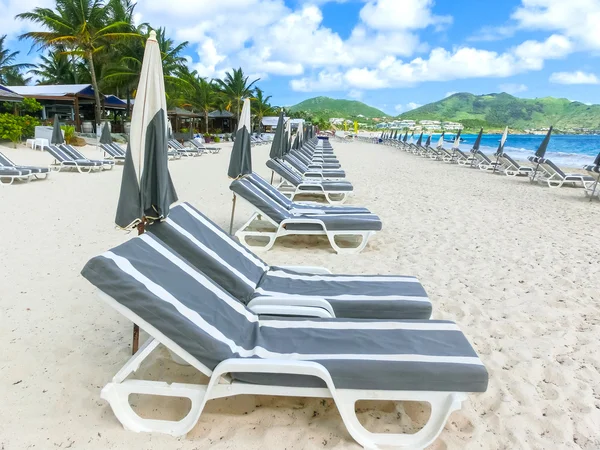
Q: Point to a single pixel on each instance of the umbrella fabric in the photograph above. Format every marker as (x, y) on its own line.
(288, 137)
(240, 162)
(428, 141)
(278, 144)
(57, 135)
(597, 160)
(106, 137)
(457, 139)
(441, 140)
(541, 151)
(146, 187)
(420, 140)
(478, 141)
(405, 137)
(502, 142)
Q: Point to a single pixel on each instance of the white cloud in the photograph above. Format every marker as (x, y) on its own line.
(574, 78)
(11, 26)
(408, 107)
(513, 88)
(401, 15)
(356, 94)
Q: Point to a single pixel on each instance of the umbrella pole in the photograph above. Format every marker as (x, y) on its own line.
(232, 214)
(272, 175)
(496, 165)
(135, 342)
(594, 190)
(534, 172)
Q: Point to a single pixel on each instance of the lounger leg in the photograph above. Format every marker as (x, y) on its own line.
(338, 202)
(365, 236)
(442, 405)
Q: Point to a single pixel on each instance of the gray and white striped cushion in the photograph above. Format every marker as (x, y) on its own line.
(147, 278)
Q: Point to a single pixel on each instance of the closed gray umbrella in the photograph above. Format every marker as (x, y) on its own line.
(428, 141)
(500, 148)
(420, 140)
(476, 146)
(541, 152)
(106, 137)
(278, 143)
(147, 191)
(57, 135)
(240, 161)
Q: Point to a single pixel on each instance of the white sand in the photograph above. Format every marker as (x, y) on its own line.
(516, 265)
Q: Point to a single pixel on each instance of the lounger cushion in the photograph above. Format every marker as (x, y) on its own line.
(338, 222)
(328, 186)
(13, 172)
(157, 285)
(355, 296)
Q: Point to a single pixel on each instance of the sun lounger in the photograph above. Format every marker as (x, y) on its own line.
(461, 158)
(35, 171)
(8, 175)
(335, 192)
(313, 172)
(347, 360)
(112, 153)
(484, 162)
(283, 223)
(591, 189)
(555, 177)
(184, 151)
(251, 281)
(63, 160)
(107, 164)
(200, 146)
(314, 163)
(513, 168)
(302, 207)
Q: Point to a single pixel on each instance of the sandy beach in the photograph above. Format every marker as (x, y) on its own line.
(514, 264)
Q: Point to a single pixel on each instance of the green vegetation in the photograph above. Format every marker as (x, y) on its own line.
(326, 108)
(495, 111)
(14, 128)
(69, 133)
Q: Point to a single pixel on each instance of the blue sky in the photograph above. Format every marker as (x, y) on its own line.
(391, 54)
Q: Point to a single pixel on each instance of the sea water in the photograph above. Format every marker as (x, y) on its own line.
(564, 149)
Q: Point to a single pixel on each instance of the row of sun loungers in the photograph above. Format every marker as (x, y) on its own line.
(291, 331)
(11, 172)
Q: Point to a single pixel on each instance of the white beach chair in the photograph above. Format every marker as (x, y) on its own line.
(205, 327)
(555, 177)
(63, 160)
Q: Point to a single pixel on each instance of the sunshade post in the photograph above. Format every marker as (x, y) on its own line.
(476, 145)
(233, 200)
(500, 148)
(541, 152)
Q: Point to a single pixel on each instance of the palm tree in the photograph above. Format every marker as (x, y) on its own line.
(60, 68)
(261, 106)
(10, 72)
(203, 95)
(235, 88)
(83, 27)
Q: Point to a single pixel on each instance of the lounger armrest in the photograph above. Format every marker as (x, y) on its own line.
(300, 211)
(313, 175)
(292, 306)
(313, 270)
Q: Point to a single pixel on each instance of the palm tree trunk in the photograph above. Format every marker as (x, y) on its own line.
(206, 120)
(98, 107)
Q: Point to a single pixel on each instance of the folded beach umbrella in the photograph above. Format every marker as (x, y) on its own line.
(278, 144)
(457, 140)
(105, 136)
(405, 137)
(420, 140)
(288, 137)
(541, 152)
(57, 135)
(597, 170)
(476, 145)
(147, 191)
(240, 162)
(500, 149)
(441, 140)
(428, 141)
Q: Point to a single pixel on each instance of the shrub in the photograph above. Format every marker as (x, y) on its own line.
(15, 128)
(217, 139)
(69, 132)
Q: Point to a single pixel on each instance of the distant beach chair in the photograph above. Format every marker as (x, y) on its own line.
(113, 153)
(184, 151)
(35, 171)
(313, 172)
(555, 177)
(201, 146)
(107, 164)
(513, 168)
(591, 189)
(63, 160)
(335, 192)
(284, 223)
(483, 162)
(8, 175)
(314, 163)
(461, 158)
(347, 360)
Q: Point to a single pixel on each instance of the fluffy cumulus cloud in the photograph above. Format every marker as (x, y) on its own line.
(407, 107)
(401, 15)
(10, 8)
(574, 78)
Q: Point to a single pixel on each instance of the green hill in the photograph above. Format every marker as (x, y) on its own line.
(500, 110)
(327, 108)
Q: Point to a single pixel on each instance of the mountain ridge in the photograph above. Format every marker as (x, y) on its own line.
(328, 107)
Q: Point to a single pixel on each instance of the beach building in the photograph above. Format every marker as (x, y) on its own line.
(452, 126)
(7, 95)
(74, 104)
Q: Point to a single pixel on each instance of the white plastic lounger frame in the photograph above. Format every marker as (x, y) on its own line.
(220, 385)
(555, 179)
(289, 190)
(280, 230)
(12, 178)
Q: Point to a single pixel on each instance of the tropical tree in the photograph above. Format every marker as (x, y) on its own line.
(261, 107)
(202, 95)
(11, 73)
(59, 68)
(83, 27)
(235, 88)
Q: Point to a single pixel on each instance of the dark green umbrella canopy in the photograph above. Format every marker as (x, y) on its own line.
(428, 141)
(420, 140)
(457, 139)
(597, 160)
(381, 137)
(57, 136)
(500, 149)
(106, 137)
(405, 137)
(278, 144)
(478, 141)
(240, 162)
(541, 151)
